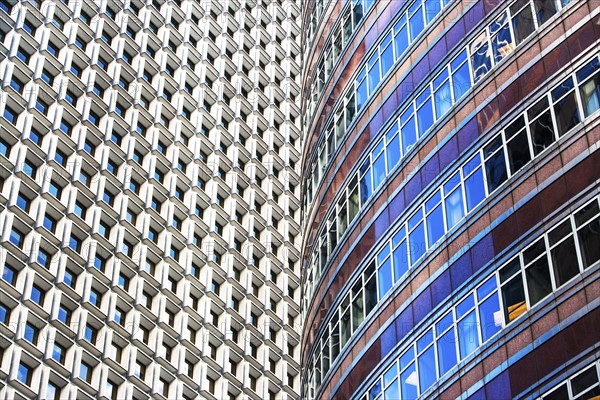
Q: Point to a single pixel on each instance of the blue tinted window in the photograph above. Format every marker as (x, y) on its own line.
(446, 346)
(392, 391)
(30, 333)
(24, 374)
(417, 23)
(379, 171)
(454, 208)
(408, 132)
(49, 223)
(22, 202)
(400, 37)
(8, 274)
(425, 116)
(54, 189)
(373, 75)
(4, 314)
(408, 383)
(94, 297)
(16, 85)
(387, 54)
(417, 243)
(10, 115)
(37, 295)
(88, 334)
(432, 8)
(465, 306)
(385, 277)
(427, 374)
(16, 238)
(69, 278)
(58, 353)
(474, 189)
(63, 315)
(78, 209)
(393, 148)
(435, 225)
(491, 321)
(461, 79)
(361, 92)
(481, 61)
(468, 338)
(443, 99)
(43, 258)
(502, 43)
(3, 148)
(400, 260)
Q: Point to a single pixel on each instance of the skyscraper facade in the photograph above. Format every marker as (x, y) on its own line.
(451, 217)
(149, 199)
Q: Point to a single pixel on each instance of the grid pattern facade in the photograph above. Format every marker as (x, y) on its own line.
(444, 237)
(149, 199)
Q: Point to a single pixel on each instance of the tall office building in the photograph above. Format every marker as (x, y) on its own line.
(451, 218)
(149, 199)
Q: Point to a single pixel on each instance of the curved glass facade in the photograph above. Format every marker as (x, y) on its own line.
(448, 222)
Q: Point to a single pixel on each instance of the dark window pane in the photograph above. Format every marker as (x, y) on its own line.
(366, 187)
(542, 132)
(522, 20)
(345, 327)
(564, 261)
(560, 393)
(513, 298)
(370, 295)
(538, 280)
(518, 152)
(509, 270)
(589, 238)
(544, 10)
(584, 381)
(567, 114)
(586, 213)
(495, 169)
(534, 251)
(358, 310)
(590, 95)
(558, 233)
